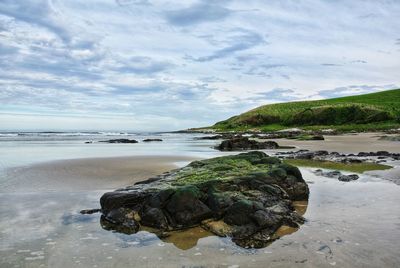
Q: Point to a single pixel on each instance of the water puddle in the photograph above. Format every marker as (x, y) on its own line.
(351, 167)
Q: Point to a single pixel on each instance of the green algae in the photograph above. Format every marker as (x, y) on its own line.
(225, 168)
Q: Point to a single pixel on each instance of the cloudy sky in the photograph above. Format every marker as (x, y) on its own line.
(161, 65)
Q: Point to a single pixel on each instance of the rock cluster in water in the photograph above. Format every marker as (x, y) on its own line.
(246, 197)
(338, 157)
(337, 175)
(244, 143)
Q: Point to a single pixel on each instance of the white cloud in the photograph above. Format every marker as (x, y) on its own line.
(150, 59)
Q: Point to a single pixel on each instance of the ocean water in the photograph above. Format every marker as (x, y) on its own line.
(355, 224)
(26, 148)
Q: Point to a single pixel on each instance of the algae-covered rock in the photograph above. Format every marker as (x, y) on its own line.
(244, 143)
(246, 196)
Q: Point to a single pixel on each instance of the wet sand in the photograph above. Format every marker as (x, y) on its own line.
(353, 224)
(349, 143)
(88, 173)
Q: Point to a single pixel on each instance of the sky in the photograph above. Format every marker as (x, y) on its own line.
(154, 65)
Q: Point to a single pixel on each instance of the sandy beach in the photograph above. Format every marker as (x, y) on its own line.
(89, 174)
(347, 143)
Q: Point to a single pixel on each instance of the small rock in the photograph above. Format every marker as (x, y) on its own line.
(150, 140)
(382, 153)
(347, 178)
(90, 211)
(120, 141)
(317, 138)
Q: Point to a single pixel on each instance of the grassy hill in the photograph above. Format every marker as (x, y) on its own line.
(373, 111)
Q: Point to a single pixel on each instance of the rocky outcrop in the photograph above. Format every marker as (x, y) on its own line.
(244, 143)
(246, 197)
(120, 141)
(337, 157)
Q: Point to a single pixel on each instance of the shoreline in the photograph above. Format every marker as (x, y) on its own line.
(106, 173)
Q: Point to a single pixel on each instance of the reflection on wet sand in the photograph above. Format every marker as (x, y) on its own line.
(341, 223)
(181, 239)
(300, 207)
(188, 238)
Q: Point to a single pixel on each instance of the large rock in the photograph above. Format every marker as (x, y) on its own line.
(244, 143)
(246, 197)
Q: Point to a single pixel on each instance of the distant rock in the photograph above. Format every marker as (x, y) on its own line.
(120, 141)
(308, 137)
(383, 153)
(244, 143)
(217, 137)
(329, 174)
(348, 178)
(317, 138)
(150, 140)
(336, 175)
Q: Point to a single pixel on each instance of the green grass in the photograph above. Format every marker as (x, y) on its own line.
(353, 167)
(375, 111)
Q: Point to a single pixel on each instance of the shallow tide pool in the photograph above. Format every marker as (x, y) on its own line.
(348, 224)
